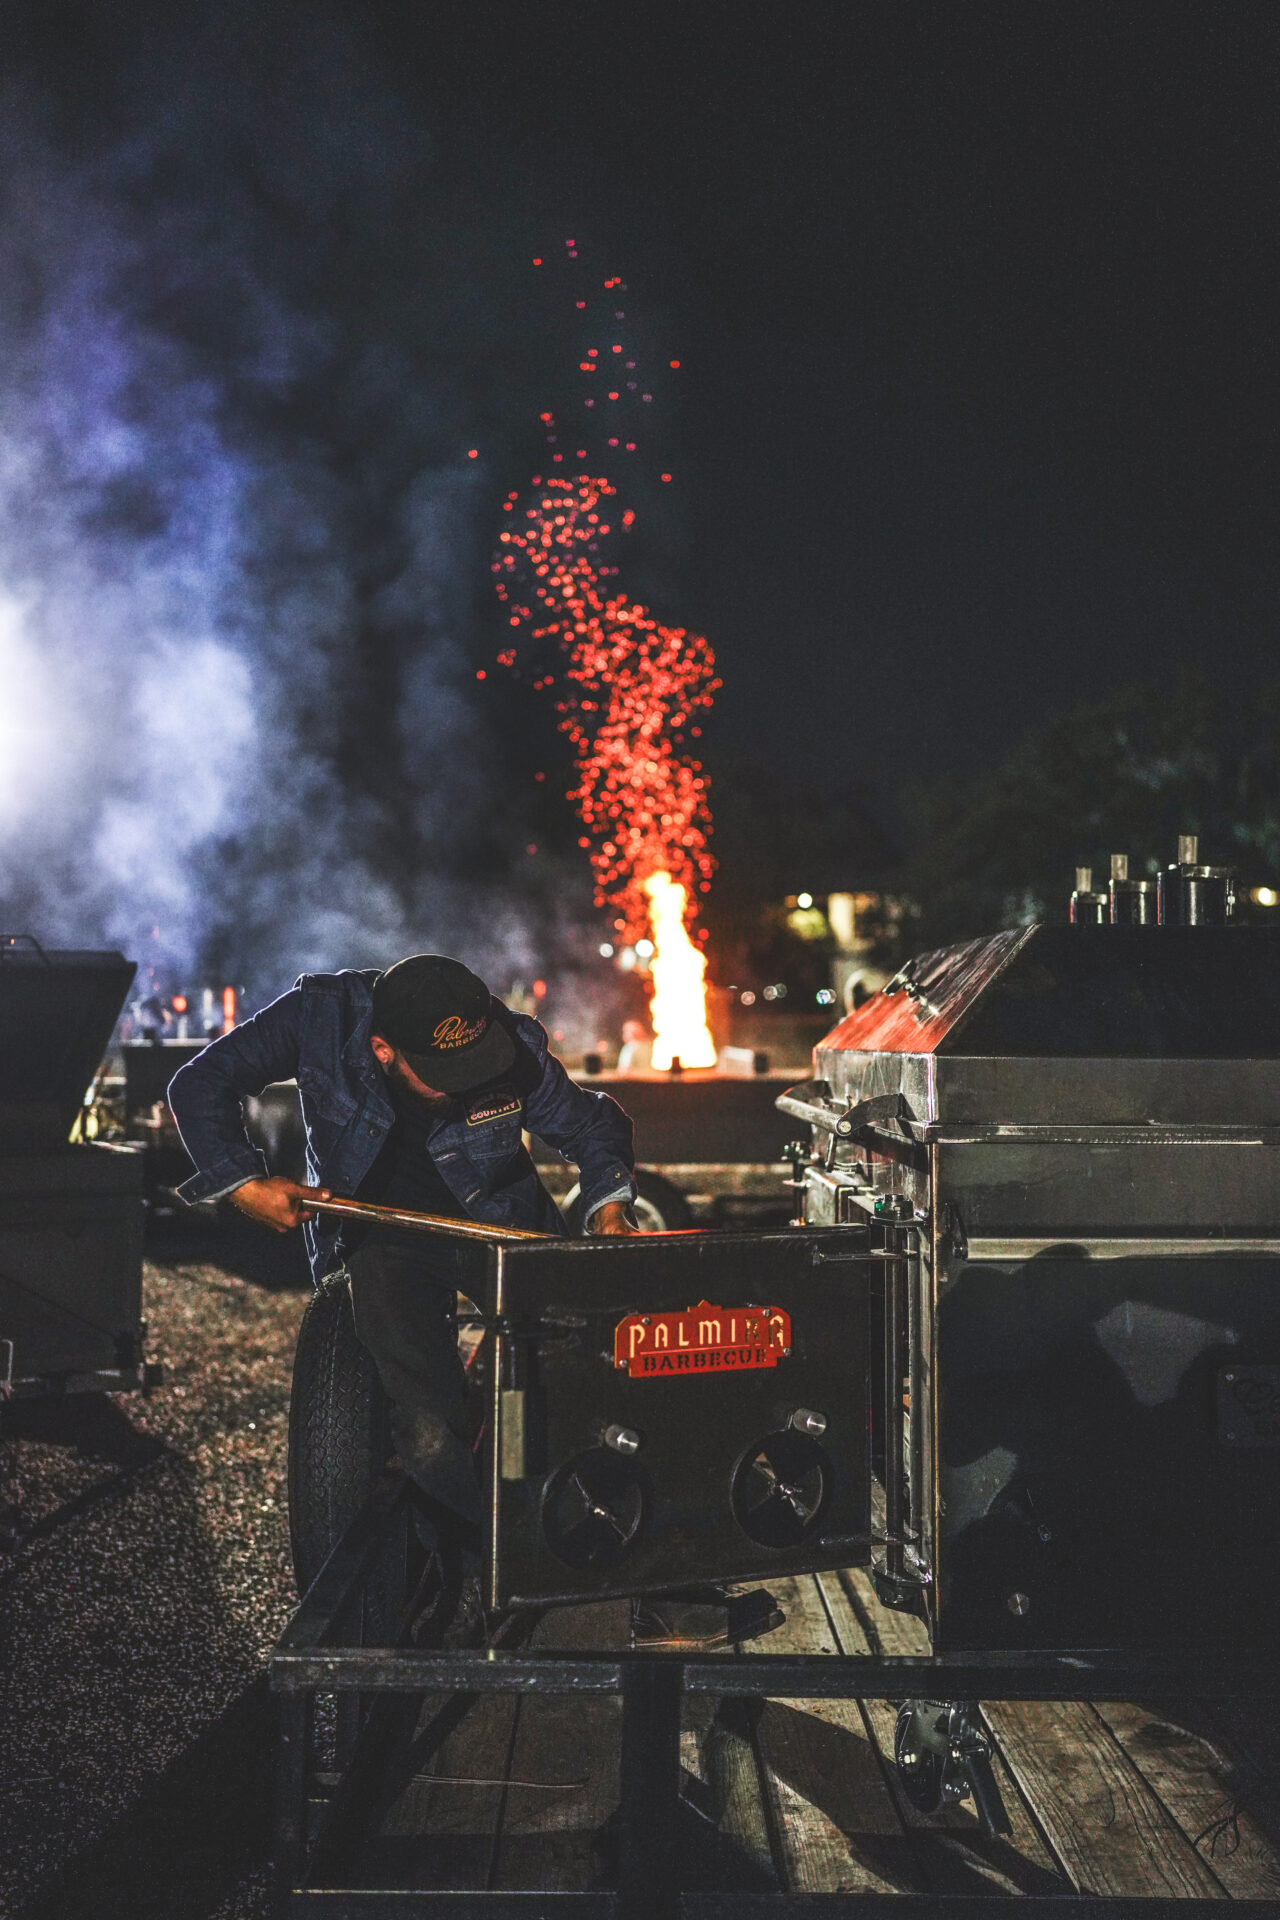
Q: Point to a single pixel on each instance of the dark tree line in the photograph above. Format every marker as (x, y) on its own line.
(1123, 774)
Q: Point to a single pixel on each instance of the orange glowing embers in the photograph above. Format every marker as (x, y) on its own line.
(632, 689)
(632, 692)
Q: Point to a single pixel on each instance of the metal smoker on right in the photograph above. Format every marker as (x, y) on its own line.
(1075, 1143)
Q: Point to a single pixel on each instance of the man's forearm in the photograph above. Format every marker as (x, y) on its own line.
(613, 1217)
(206, 1098)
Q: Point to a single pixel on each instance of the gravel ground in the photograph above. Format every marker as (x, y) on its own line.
(136, 1732)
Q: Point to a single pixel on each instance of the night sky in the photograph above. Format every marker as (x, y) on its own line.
(978, 308)
(975, 307)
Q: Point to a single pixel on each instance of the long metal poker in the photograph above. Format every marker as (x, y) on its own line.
(423, 1222)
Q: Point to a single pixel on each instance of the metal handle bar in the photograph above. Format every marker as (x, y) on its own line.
(424, 1222)
(10, 940)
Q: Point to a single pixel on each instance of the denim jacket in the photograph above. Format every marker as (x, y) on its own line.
(319, 1034)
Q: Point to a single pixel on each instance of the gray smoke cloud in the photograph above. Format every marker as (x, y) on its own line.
(246, 340)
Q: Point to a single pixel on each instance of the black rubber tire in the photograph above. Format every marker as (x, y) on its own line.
(661, 1208)
(339, 1429)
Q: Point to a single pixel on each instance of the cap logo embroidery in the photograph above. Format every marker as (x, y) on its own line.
(457, 1032)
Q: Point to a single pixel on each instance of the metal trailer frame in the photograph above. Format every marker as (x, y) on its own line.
(380, 1689)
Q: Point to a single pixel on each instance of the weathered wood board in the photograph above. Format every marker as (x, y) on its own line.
(564, 1767)
(1105, 1823)
(1204, 1792)
(834, 1822)
(803, 1797)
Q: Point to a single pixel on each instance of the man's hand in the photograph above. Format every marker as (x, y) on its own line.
(612, 1218)
(277, 1203)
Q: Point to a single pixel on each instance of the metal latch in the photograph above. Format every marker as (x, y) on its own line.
(864, 1113)
(951, 1232)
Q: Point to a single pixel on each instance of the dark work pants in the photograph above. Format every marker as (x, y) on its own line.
(402, 1297)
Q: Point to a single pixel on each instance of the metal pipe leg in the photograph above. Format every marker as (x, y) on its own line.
(290, 1858)
(895, 1282)
(648, 1816)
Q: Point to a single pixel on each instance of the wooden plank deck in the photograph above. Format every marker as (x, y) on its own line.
(1128, 1798)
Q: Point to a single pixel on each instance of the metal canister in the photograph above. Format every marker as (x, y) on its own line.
(1132, 903)
(1208, 896)
(1088, 908)
(1192, 895)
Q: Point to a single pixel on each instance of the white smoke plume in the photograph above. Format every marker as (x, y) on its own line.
(246, 341)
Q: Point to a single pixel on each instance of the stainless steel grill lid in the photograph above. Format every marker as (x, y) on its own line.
(1171, 1025)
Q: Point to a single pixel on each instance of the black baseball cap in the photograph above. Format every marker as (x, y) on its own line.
(444, 1020)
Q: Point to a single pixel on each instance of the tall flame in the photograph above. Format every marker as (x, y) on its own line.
(679, 1004)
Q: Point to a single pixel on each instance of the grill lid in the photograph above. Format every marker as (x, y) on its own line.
(1180, 993)
(1066, 1026)
(57, 1010)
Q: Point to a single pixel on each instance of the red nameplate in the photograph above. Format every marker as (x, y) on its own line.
(702, 1340)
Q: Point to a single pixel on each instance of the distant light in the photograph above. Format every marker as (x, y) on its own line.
(804, 899)
(771, 993)
(606, 950)
(473, 453)
(644, 948)
(824, 997)
(539, 989)
(666, 476)
(780, 990)
(675, 363)
(480, 673)
(1265, 896)
(748, 998)
(179, 1002)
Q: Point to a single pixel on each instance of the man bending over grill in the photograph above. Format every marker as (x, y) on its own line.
(415, 1084)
